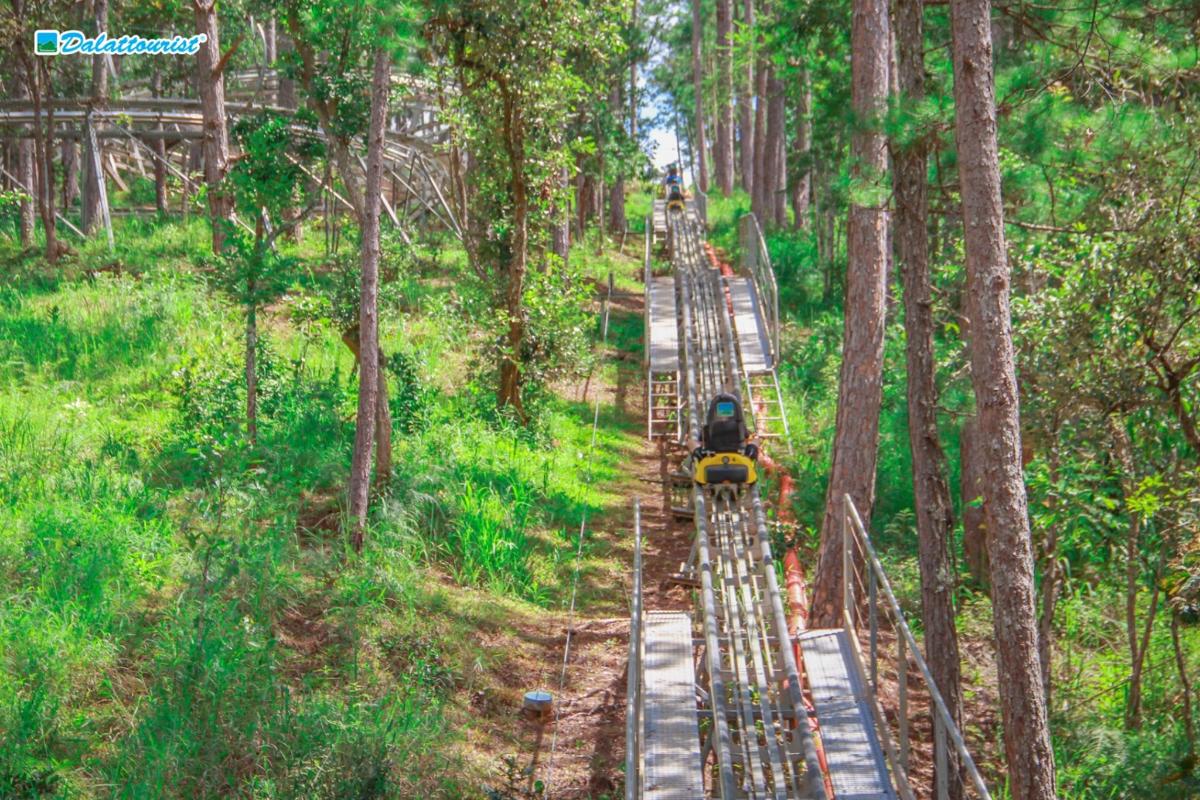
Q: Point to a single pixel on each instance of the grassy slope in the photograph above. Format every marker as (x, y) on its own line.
(180, 617)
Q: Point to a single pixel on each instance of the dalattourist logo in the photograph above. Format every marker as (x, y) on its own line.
(67, 43)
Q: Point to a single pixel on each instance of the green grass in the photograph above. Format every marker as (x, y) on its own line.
(181, 616)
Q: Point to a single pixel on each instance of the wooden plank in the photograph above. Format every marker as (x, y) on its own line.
(852, 749)
(749, 326)
(664, 328)
(673, 768)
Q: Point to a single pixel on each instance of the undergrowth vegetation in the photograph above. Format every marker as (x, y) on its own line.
(1098, 754)
(182, 617)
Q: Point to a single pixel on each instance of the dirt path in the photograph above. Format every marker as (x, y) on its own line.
(588, 759)
(581, 755)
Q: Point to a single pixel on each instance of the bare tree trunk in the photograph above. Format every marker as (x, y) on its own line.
(1050, 582)
(368, 309)
(931, 490)
(287, 87)
(633, 67)
(781, 185)
(561, 228)
(252, 374)
(975, 538)
(600, 225)
(69, 154)
(270, 49)
(159, 145)
(616, 201)
(773, 164)
(1123, 453)
(509, 394)
(383, 427)
(1189, 724)
(724, 154)
(746, 108)
(762, 69)
(1027, 746)
(772, 148)
(860, 384)
(37, 81)
(701, 150)
(27, 175)
(90, 207)
(211, 83)
(1137, 649)
(802, 146)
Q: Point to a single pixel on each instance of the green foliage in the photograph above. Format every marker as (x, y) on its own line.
(522, 71)
(178, 619)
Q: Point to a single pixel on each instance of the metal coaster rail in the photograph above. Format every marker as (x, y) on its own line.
(750, 712)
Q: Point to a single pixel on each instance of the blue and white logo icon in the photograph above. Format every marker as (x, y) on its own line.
(45, 43)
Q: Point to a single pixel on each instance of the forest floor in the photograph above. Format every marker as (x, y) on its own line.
(580, 752)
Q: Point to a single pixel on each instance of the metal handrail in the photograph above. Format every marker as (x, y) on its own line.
(757, 261)
(646, 291)
(944, 724)
(649, 232)
(634, 717)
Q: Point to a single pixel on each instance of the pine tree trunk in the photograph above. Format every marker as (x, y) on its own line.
(633, 67)
(781, 184)
(931, 490)
(802, 147)
(860, 385)
(90, 207)
(252, 375)
(1050, 582)
(616, 196)
(159, 146)
(39, 85)
(974, 521)
(509, 392)
(211, 83)
(69, 155)
(27, 174)
(1028, 752)
(286, 93)
(1189, 724)
(760, 136)
(724, 154)
(368, 309)
(772, 147)
(383, 427)
(561, 228)
(773, 169)
(746, 108)
(701, 149)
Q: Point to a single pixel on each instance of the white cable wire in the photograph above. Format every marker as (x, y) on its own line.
(562, 677)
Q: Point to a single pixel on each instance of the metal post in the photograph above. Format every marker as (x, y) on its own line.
(847, 588)
(874, 614)
(94, 146)
(940, 710)
(939, 749)
(902, 672)
(633, 715)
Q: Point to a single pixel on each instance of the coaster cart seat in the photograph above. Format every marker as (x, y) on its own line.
(724, 456)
